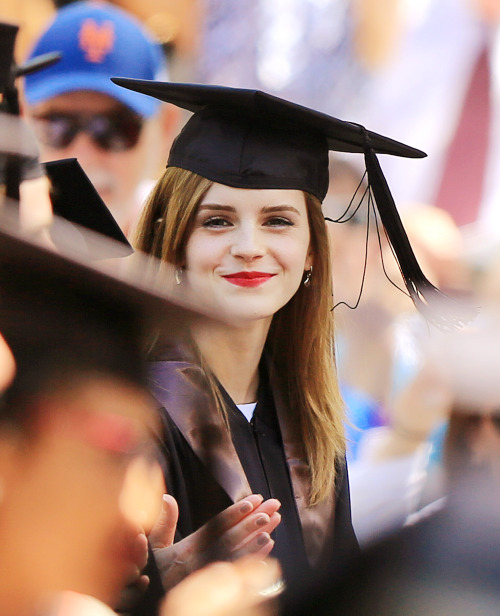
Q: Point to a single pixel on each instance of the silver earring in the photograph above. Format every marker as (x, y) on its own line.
(307, 278)
(178, 275)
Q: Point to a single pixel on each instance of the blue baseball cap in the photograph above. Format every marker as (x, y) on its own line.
(97, 41)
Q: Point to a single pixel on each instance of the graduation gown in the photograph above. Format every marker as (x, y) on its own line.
(209, 468)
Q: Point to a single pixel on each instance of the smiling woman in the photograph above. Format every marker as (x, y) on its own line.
(238, 213)
(248, 250)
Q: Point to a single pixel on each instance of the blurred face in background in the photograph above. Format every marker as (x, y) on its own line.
(117, 148)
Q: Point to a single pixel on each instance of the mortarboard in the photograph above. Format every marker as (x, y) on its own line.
(251, 139)
(75, 199)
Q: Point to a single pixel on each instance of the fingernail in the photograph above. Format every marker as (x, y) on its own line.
(246, 507)
(263, 539)
(262, 520)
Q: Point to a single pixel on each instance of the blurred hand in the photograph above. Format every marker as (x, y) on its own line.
(240, 530)
(242, 588)
(422, 404)
(138, 582)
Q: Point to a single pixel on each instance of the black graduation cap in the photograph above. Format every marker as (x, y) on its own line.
(75, 199)
(250, 139)
(18, 159)
(62, 315)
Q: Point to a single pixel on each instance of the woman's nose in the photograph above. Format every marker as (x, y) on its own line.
(247, 243)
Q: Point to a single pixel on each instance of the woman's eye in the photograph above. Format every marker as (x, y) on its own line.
(279, 221)
(216, 221)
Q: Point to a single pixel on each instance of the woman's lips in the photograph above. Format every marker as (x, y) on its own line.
(248, 279)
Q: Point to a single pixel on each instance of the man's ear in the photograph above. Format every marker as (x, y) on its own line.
(169, 120)
(161, 131)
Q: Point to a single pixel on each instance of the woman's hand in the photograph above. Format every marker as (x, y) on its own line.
(240, 530)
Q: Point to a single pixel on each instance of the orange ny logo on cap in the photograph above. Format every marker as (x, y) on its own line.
(96, 40)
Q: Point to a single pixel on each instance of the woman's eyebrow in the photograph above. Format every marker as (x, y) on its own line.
(216, 206)
(268, 209)
(280, 208)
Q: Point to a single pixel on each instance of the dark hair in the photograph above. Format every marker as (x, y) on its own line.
(58, 336)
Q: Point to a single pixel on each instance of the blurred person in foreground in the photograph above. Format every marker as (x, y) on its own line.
(117, 136)
(80, 477)
(76, 431)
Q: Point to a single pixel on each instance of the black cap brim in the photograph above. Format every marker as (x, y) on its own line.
(342, 136)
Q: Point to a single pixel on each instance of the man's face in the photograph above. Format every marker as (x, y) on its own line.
(111, 143)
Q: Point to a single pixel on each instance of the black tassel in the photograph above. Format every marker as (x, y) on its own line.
(437, 307)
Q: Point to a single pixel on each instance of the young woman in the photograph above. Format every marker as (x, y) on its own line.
(252, 405)
(273, 422)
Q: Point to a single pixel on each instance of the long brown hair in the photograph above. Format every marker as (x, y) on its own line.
(301, 337)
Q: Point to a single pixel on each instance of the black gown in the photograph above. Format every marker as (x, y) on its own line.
(260, 450)
(207, 470)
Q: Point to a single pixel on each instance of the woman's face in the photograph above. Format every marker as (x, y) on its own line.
(248, 250)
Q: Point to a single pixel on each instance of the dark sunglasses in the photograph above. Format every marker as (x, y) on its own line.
(115, 132)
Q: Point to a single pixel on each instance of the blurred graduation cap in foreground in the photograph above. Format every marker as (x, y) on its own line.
(75, 199)
(250, 139)
(62, 314)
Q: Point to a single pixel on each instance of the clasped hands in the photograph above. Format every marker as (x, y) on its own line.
(243, 529)
(240, 536)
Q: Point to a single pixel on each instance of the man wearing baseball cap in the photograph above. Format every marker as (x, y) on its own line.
(77, 112)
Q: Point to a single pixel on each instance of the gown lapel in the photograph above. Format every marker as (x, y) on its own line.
(180, 388)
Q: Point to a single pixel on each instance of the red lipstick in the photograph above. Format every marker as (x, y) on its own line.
(248, 279)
